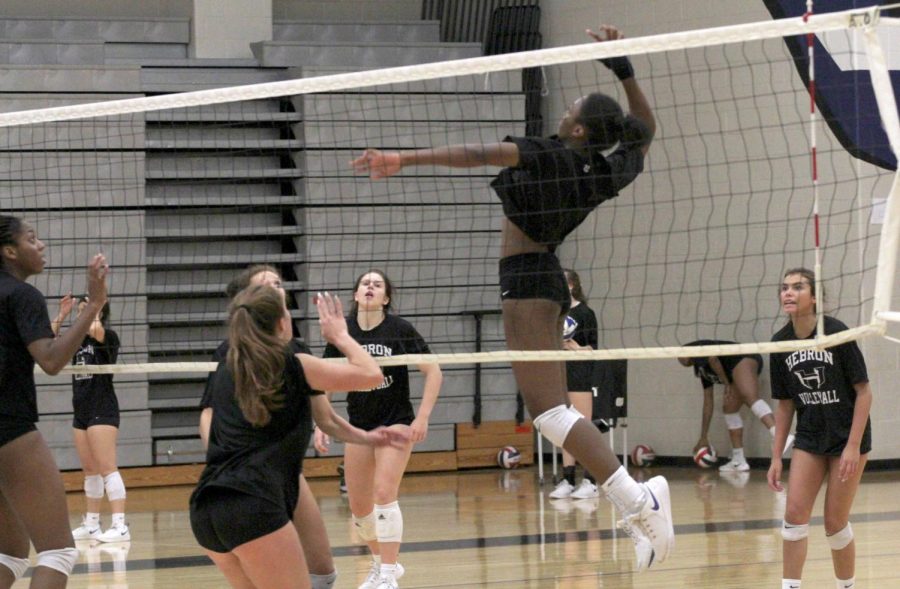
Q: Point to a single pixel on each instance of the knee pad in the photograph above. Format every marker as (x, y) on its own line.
(93, 486)
(115, 486)
(554, 424)
(389, 522)
(794, 532)
(840, 540)
(365, 527)
(18, 566)
(733, 421)
(760, 408)
(323, 581)
(61, 559)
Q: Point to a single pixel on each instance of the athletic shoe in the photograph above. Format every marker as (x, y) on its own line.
(115, 533)
(563, 490)
(788, 444)
(374, 578)
(387, 582)
(735, 466)
(651, 526)
(586, 490)
(87, 531)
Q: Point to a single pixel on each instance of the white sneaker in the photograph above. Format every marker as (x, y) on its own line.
(375, 578)
(586, 490)
(563, 490)
(735, 466)
(788, 444)
(87, 531)
(388, 581)
(651, 527)
(115, 533)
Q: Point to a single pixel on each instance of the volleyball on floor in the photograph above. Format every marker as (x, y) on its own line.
(569, 327)
(509, 457)
(706, 457)
(642, 455)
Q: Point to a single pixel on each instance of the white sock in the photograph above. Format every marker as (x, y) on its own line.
(323, 581)
(623, 491)
(846, 584)
(790, 584)
(772, 431)
(118, 519)
(91, 518)
(737, 455)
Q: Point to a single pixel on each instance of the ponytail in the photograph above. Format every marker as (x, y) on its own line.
(256, 354)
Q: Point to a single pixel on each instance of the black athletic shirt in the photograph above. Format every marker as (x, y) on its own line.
(820, 383)
(704, 371)
(264, 462)
(388, 403)
(23, 320)
(554, 188)
(95, 353)
(297, 347)
(580, 374)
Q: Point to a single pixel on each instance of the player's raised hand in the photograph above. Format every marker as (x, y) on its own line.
(607, 33)
(331, 317)
(98, 269)
(377, 164)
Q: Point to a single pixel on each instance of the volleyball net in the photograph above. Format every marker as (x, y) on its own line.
(184, 191)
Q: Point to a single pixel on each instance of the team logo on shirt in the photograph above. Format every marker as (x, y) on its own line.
(811, 379)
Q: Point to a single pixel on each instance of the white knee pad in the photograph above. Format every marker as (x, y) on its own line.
(794, 532)
(760, 408)
(323, 581)
(61, 559)
(733, 421)
(554, 424)
(115, 486)
(18, 566)
(840, 540)
(365, 527)
(389, 522)
(93, 486)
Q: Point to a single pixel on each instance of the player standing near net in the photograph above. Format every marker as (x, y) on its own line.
(262, 401)
(579, 375)
(548, 187)
(829, 391)
(373, 475)
(307, 517)
(95, 425)
(740, 376)
(32, 497)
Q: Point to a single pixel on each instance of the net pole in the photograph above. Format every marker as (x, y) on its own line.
(814, 170)
(890, 228)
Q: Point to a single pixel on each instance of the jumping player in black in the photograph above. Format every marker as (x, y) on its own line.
(373, 475)
(32, 497)
(548, 187)
(96, 425)
(830, 393)
(262, 402)
(307, 517)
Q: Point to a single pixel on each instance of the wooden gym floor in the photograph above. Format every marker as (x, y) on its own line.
(492, 528)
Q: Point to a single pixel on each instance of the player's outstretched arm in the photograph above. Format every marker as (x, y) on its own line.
(382, 164)
(638, 105)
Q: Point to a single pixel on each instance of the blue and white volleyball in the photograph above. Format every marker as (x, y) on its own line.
(569, 327)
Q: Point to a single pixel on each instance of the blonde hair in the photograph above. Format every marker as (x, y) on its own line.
(256, 353)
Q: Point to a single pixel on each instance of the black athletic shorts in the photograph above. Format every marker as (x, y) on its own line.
(95, 409)
(10, 429)
(223, 519)
(534, 276)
